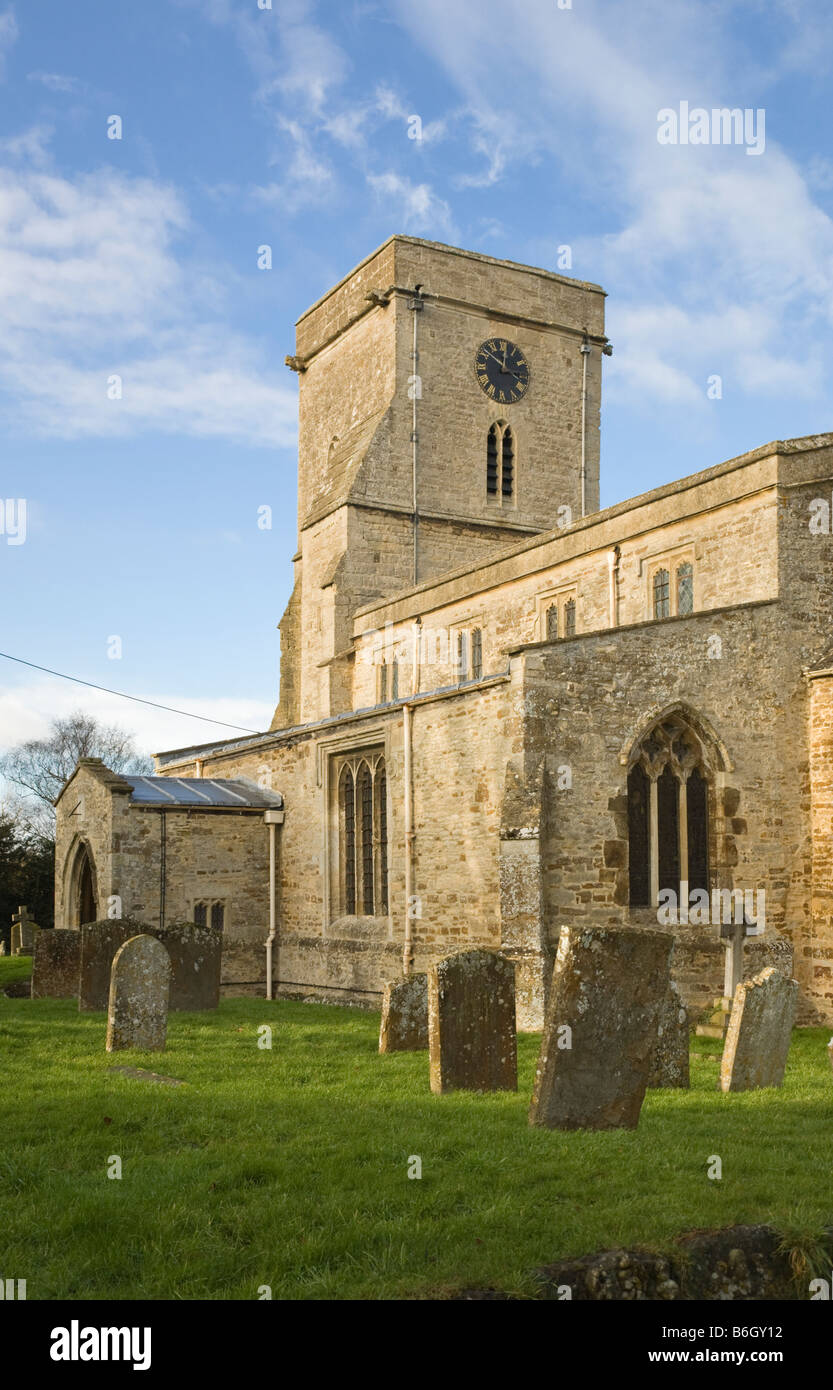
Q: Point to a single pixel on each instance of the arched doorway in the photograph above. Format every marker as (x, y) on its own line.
(83, 896)
(671, 771)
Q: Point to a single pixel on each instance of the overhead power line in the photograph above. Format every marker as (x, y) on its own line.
(136, 698)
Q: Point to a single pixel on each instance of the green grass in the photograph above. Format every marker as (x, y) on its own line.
(14, 969)
(289, 1167)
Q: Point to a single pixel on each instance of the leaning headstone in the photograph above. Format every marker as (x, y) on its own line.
(137, 1016)
(671, 1057)
(760, 1030)
(405, 1015)
(830, 1053)
(601, 1026)
(56, 964)
(472, 1044)
(195, 954)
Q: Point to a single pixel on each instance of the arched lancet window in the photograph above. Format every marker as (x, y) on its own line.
(500, 462)
(363, 836)
(668, 815)
(383, 683)
(83, 906)
(476, 654)
(570, 618)
(552, 622)
(348, 839)
(685, 588)
(662, 594)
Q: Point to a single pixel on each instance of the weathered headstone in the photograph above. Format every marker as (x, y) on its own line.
(760, 1030)
(195, 954)
(99, 943)
(137, 1015)
(601, 1026)
(472, 1044)
(671, 1057)
(830, 1053)
(405, 1015)
(57, 964)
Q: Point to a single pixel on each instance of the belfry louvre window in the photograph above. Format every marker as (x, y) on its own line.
(500, 462)
(668, 818)
(363, 835)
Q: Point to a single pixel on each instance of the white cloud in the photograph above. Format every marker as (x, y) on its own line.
(55, 81)
(415, 205)
(95, 282)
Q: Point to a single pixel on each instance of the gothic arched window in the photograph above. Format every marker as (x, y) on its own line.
(668, 826)
(363, 836)
(500, 462)
(476, 654)
(570, 618)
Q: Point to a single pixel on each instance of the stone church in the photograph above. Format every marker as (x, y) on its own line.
(501, 709)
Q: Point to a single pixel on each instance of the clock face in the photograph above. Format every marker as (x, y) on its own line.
(502, 370)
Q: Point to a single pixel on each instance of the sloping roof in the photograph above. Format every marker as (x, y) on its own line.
(202, 793)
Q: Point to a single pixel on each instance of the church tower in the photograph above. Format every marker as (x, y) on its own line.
(449, 408)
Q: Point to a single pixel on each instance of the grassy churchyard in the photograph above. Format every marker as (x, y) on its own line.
(289, 1166)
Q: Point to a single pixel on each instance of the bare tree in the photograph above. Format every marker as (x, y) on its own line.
(41, 766)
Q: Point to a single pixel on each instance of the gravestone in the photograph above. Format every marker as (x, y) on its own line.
(137, 1015)
(57, 964)
(24, 932)
(830, 1053)
(760, 1030)
(405, 1015)
(601, 1027)
(671, 1057)
(471, 1023)
(195, 954)
(99, 943)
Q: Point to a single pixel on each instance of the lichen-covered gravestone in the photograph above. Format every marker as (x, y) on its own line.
(760, 1029)
(472, 1043)
(601, 1026)
(56, 965)
(139, 987)
(405, 1015)
(671, 1057)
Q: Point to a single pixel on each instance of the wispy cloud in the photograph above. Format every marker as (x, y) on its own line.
(416, 205)
(95, 283)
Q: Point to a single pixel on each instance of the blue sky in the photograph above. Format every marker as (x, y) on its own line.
(288, 126)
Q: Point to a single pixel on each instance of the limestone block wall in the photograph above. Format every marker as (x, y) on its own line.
(733, 545)
(583, 700)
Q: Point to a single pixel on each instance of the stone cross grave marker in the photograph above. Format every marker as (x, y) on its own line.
(601, 1027)
(139, 987)
(472, 1044)
(760, 1030)
(24, 931)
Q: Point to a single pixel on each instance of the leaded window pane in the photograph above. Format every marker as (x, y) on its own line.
(662, 594)
(366, 804)
(570, 618)
(476, 654)
(685, 588)
(552, 622)
(349, 821)
(218, 914)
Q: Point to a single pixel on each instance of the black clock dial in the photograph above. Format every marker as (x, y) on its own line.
(502, 370)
